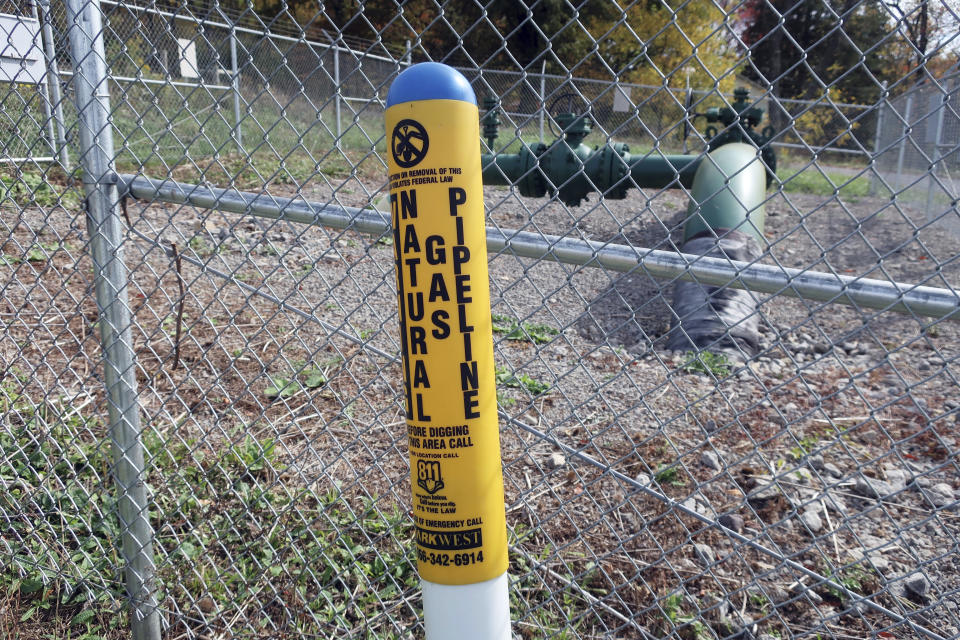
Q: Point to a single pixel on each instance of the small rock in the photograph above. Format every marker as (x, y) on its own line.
(738, 626)
(871, 488)
(773, 593)
(643, 479)
(705, 553)
(879, 562)
(815, 461)
(763, 492)
(711, 461)
(941, 495)
(849, 346)
(710, 426)
(811, 519)
(832, 469)
(731, 521)
(917, 585)
(821, 347)
(897, 478)
(714, 608)
(697, 506)
(797, 588)
(556, 460)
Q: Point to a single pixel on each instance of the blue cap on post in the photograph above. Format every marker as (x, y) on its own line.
(430, 81)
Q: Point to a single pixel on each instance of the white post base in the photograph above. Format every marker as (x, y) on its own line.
(478, 611)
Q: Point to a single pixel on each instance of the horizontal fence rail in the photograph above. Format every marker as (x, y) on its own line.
(800, 283)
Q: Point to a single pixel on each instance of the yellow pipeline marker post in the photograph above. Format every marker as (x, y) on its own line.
(439, 239)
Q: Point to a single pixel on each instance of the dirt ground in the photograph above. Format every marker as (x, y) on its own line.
(830, 454)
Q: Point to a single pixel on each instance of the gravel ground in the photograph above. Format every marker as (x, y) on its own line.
(835, 446)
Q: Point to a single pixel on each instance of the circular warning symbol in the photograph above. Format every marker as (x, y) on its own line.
(408, 143)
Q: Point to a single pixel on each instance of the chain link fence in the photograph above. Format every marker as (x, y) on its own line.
(202, 428)
(918, 148)
(667, 117)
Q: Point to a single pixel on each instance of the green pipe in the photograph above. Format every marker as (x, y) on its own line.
(657, 171)
(724, 220)
(728, 192)
(575, 171)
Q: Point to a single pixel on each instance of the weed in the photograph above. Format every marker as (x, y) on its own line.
(512, 329)
(676, 616)
(804, 447)
(36, 253)
(759, 601)
(281, 388)
(510, 380)
(305, 270)
(669, 475)
(809, 443)
(856, 578)
(35, 189)
(304, 376)
(314, 378)
(504, 400)
(210, 504)
(169, 325)
(715, 364)
(201, 247)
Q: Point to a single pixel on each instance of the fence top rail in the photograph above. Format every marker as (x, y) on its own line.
(857, 291)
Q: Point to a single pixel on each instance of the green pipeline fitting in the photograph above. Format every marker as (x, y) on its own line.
(574, 170)
(728, 193)
(570, 169)
(724, 220)
(739, 122)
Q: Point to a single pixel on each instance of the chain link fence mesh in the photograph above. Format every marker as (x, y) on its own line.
(806, 487)
(919, 147)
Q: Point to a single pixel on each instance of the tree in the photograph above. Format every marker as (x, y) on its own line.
(928, 28)
(806, 49)
(664, 42)
(800, 48)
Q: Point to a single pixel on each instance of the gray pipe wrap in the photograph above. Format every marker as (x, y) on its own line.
(717, 319)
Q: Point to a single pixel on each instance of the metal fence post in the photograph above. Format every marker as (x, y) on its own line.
(937, 155)
(903, 141)
(235, 85)
(543, 94)
(53, 82)
(875, 176)
(45, 94)
(85, 31)
(336, 95)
